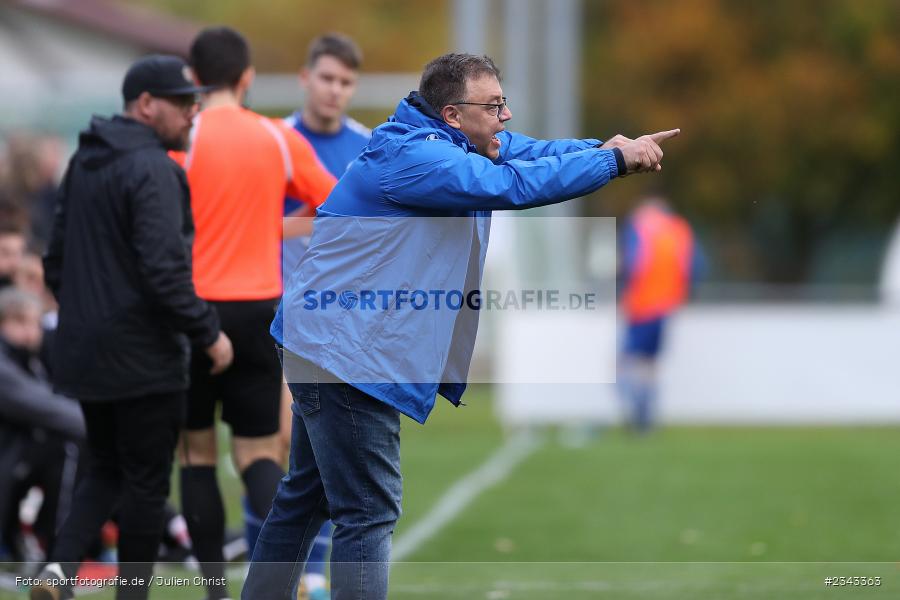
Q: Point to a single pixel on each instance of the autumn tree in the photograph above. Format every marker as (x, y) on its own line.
(790, 114)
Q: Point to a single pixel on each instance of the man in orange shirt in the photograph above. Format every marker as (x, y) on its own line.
(660, 261)
(240, 167)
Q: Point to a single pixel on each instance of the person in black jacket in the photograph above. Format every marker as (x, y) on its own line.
(119, 264)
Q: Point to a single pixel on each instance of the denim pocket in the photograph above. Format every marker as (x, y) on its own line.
(306, 397)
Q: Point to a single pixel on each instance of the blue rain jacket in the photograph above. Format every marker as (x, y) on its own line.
(412, 213)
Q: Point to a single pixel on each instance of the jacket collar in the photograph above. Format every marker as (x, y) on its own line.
(415, 111)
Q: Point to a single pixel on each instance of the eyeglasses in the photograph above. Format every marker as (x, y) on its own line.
(184, 102)
(495, 109)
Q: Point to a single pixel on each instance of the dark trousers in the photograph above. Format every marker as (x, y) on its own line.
(131, 443)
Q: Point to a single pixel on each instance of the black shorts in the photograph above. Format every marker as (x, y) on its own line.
(250, 389)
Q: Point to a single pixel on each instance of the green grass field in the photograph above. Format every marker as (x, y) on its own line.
(693, 513)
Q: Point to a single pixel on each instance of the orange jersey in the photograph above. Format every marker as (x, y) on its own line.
(240, 167)
(661, 277)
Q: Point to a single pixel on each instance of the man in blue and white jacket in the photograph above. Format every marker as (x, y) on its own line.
(367, 323)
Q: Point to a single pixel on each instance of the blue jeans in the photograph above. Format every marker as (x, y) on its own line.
(345, 463)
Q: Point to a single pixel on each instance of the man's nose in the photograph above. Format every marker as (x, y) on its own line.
(505, 114)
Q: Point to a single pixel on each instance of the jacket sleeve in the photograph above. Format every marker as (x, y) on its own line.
(29, 402)
(53, 256)
(310, 181)
(515, 146)
(163, 256)
(439, 175)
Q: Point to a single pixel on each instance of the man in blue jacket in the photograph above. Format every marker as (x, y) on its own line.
(372, 320)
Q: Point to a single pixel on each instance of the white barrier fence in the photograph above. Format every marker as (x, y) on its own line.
(721, 364)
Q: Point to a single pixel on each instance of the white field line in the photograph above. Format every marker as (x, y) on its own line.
(461, 494)
(464, 491)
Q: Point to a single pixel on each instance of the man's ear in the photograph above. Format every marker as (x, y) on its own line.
(141, 108)
(246, 78)
(304, 77)
(452, 116)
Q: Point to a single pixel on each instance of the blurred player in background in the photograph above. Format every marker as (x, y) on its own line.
(240, 167)
(329, 80)
(660, 261)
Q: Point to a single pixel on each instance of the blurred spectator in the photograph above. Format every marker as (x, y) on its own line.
(660, 260)
(12, 247)
(30, 278)
(38, 429)
(34, 166)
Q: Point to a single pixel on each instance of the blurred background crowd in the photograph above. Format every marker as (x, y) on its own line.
(790, 119)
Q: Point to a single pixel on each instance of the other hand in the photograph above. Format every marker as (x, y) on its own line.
(221, 353)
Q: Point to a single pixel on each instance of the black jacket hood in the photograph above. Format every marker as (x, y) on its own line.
(107, 139)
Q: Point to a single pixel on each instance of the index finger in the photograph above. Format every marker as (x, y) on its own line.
(664, 135)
